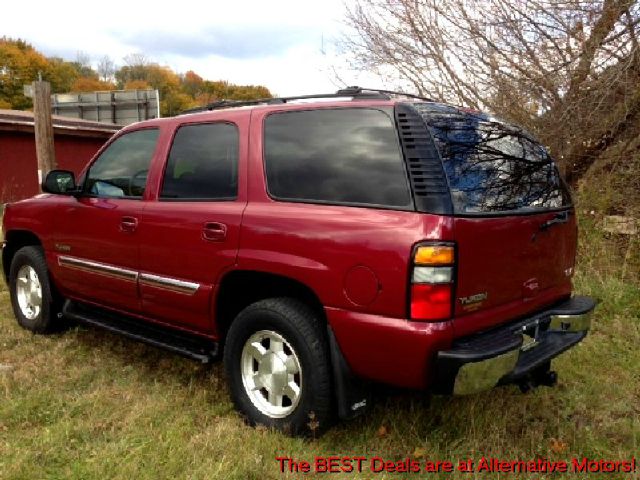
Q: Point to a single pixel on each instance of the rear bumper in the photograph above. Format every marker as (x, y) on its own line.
(511, 352)
(394, 351)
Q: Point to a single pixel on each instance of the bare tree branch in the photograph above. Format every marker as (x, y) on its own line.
(568, 70)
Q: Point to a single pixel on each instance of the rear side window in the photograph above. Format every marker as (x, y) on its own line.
(202, 164)
(492, 166)
(339, 156)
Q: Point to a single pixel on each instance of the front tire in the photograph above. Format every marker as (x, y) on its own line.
(32, 298)
(278, 367)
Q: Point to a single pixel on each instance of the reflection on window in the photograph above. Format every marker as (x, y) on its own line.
(492, 166)
(203, 163)
(121, 170)
(349, 156)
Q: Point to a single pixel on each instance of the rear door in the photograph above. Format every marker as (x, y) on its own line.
(190, 233)
(514, 225)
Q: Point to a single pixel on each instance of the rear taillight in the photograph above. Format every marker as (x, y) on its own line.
(432, 282)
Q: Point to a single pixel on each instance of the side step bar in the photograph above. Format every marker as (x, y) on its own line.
(182, 343)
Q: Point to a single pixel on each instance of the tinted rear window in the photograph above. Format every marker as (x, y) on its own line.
(203, 163)
(492, 166)
(340, 156)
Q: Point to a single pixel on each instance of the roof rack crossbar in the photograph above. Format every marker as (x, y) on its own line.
(354, 92)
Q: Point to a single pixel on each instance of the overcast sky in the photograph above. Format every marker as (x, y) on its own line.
(277, 43)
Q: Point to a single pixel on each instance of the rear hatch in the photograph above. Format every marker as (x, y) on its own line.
(514, 224)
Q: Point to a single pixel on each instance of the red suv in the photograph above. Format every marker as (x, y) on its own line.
(364, 236)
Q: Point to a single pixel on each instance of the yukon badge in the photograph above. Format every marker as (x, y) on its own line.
(473, 301)
(61, 247)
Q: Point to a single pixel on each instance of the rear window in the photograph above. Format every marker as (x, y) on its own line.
(492, 166)
(203, 163)
(338, 156)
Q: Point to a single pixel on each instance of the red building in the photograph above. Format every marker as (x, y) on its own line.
(76, 141)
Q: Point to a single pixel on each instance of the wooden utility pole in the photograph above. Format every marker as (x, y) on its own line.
(44, 128)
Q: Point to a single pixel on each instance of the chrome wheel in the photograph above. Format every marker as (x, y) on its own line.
(271, 373)
(29, 292)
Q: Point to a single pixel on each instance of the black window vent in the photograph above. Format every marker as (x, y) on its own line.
(428, 180)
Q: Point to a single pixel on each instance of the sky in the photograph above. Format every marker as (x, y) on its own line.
(286, 45)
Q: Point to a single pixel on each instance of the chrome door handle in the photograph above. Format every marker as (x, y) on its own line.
(214, 232)
(128, 224)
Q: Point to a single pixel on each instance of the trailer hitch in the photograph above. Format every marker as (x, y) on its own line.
(541, 376)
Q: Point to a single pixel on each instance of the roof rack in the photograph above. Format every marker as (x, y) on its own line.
(355, 92)
(358, 91)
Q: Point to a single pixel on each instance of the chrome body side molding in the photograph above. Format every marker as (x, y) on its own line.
(168, 283)
(98, 268)
(149, 279)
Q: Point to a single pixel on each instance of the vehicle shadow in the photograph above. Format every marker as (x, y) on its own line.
(398, 422)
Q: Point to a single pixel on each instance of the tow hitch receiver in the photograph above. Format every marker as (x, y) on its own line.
(542, 375)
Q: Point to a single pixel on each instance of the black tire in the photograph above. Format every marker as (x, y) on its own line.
(301, 328)
(46, 321)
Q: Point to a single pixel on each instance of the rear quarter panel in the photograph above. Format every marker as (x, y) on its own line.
(354, 258)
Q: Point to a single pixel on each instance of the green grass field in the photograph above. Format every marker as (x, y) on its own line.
(86, 404)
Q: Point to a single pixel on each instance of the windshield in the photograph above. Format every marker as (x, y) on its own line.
(492, 166)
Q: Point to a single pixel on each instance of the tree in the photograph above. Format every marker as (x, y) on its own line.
(221, 90)
(90, 84)
(106, 69)
(137, 85)
(62, 75)
(192, 84)
(20, 64)
(134, 68)
(566, 70)
(83, 64)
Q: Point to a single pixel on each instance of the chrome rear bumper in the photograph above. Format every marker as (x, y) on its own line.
(510, 352)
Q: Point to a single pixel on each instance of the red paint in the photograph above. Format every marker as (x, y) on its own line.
(92, 226)
(387, 349)
(361, 285)
(19, 164)
(356, 260)
(502, 258)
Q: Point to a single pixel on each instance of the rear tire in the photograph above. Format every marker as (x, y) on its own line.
(277, 362)
(34, 302)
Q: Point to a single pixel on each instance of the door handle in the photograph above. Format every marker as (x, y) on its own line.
(214, 232)
(128, 224)
(562, 217)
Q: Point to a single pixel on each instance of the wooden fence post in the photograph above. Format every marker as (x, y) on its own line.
(43, 128)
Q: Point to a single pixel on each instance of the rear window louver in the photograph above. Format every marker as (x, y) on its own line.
(428, 180)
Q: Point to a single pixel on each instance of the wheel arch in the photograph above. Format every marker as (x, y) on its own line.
(240, 288)
(14, 241)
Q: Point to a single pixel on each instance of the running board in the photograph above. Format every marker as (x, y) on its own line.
(182, 343)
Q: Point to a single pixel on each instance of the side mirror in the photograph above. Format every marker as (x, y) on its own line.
(60, 182)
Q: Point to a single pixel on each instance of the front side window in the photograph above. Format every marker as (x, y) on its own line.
(203, 163)
(340, 156)
(121, 170)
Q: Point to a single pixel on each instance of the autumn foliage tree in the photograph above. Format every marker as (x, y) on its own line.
(20, 64)
(90, 84)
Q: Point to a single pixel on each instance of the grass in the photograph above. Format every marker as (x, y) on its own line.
(86, 404)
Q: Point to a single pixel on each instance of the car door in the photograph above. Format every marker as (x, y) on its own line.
(190, 234)
(96, 241)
